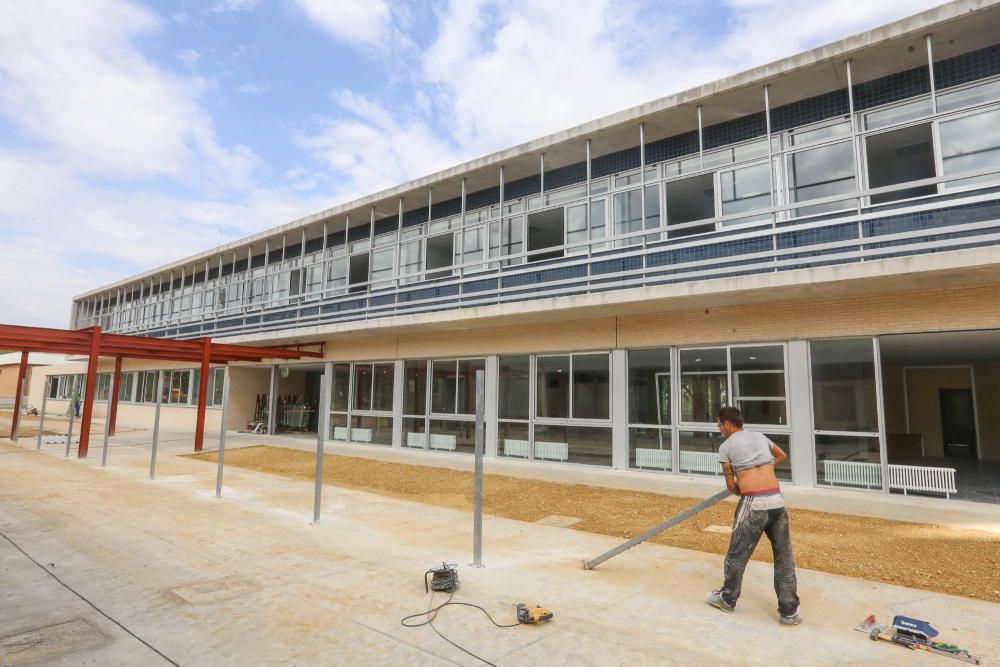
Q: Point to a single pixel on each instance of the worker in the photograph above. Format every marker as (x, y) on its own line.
(748, 460)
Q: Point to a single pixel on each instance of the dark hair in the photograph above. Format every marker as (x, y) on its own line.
(731, 415)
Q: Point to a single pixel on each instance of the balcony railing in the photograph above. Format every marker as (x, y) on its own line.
(858, 232)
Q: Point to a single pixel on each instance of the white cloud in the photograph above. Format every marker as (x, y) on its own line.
(74, 80)
(358, 22)
(254, 87)
(189, 57)
(223, 6)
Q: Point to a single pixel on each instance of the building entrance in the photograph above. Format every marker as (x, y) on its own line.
(297, 398)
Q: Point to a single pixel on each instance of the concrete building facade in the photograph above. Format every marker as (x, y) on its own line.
(816, 241)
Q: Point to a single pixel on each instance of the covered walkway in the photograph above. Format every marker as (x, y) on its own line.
(94, 344)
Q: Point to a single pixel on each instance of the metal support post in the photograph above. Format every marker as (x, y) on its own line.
(272, 399)
(23, 402)
(41, 413)
(222, 437)
(107, 420)
(477, 521)
(69, 434)
(156, 423)
(324, 399)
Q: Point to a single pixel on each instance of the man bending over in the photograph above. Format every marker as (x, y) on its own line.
(748, 460)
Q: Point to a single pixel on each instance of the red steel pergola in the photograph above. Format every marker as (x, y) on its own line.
(93, 344)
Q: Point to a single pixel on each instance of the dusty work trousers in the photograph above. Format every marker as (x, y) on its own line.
(748, 525)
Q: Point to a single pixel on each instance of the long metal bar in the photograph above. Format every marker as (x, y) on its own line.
(69, 432)
(324, 400)
(41, 413)
(701, 142)
(477, 521)
(272, 400)
(22, 400)
(222, 437)
(930, 72)
(107, 419)
(113, 417)
(672, 521)
(156, 424)
(22, 374)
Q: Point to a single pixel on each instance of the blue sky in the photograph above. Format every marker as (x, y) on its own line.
(136, 133)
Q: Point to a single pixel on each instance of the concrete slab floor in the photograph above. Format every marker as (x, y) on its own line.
(248, 580)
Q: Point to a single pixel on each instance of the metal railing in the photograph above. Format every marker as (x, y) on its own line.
(857, 233)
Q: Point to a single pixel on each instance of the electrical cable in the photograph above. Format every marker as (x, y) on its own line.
(92, 605)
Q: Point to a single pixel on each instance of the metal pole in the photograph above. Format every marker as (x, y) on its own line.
(41, 414)
(72, 414)
(672, 521)
(477, 525)
(156, 423)
(22, 406)
(324, 400)
(222, 437)
(107, 419)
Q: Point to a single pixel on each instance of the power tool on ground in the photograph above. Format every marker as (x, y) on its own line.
(532, 613)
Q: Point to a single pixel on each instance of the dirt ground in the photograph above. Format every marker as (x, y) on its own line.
(29, 425)
(933, 558)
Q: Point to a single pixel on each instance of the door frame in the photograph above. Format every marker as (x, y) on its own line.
(972, 386)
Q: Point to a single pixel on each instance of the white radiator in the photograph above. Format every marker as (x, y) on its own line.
(441, 441)
(853, 473)
(700, 462)
(660, 459)
(922, 478)
(358, 434)
(515, 447)
(416, 440)
(552, 451)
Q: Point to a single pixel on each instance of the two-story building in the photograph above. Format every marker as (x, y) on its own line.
(816, 241)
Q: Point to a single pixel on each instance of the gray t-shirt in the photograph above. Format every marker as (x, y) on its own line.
(746, 449)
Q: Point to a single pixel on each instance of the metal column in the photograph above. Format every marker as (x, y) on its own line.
(222, 437)
(324, 398)
(41, 413)
(619, 409)
(156, 423)
(802, 449)
(477, 520)
(107, 419)
(22, 402)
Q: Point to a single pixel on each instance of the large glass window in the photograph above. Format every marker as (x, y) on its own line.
(845, 412)
(552, 387)
(573, 444)
(410, 258)
(704, 384)
(628, 216)
(900, 156)
(591, 386)
(506, 238)
(453, 388)
(515, 380)
(971, 143)
(340, 389)
(649, 386)
(440, 250)
(546, 230)
(382, 264)
(821, 172)
(415, 387)
(759, 384)
(689, 200)
(745, 189)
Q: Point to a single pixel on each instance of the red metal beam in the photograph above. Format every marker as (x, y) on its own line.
(199, 429)
(88, 396)
(116, 385)
(22, 372)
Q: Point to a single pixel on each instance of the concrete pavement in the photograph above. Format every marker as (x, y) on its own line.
(247, 579)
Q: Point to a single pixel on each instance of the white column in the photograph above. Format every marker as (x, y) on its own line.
(492, 404)
(803, 445)
(619, 410)
(398, 385)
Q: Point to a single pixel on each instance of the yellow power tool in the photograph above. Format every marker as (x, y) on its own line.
(532, 613)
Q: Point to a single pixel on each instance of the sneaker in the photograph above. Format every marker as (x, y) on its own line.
(716, 600)
(794, 619)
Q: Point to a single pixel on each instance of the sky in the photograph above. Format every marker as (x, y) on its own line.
(133, 134)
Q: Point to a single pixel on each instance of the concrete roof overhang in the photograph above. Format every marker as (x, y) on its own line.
(956, 27)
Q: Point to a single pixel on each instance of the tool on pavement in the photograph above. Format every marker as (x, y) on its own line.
(915, 635)
(672, 521)
(532, 613)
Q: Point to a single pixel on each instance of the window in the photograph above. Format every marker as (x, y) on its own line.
(216, 383)
(759, 384)
(649, 386)
(577, 231)
(382, 265)
(821, 172)
(373, 386)
(439, 255)
(689, 200)
(628, 216)
(359, 272)
(704, 384)
(176, 387)
(745, 189)
(545, 230)
(580, 381)
(410, 258)
(900, 156)
(415, 387)
(506, 238)
(52, 388)
(472, 248)
(845, 412)
(453, 387)
(336, 280)
(970, 143)
(340, 388)
(126, 386)
(515, 379)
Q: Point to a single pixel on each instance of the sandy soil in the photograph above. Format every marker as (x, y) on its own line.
(29, 425)
(958, 562)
